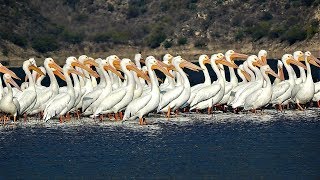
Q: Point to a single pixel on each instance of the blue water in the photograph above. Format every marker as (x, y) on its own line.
(199, 146)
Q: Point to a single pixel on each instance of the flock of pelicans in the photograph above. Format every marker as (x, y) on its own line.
(128, 91)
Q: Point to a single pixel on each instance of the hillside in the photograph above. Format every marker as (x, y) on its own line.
(100, 27)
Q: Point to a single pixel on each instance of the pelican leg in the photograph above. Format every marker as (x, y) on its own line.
(68, 116)
(121, 115)
(140, 121)
(209, 110)
(116, 116)
(61, 118)
(109, 116)
(14, 119)
(280, 108)
(177, 112)
(300, 107)
(318, 104)
(197, 110)
(168, 113)
(144, 121)
(25, 117)
(78, 114)
(101, 117)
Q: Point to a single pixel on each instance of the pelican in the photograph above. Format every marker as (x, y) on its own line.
(119, 99)
(93, 99)
(262, 96)
(44, 94)
(304, 92)
(9, 104)
(149, 102)
(230, 56)
(282, 91)
(299, 56)
(64, 101)
(280, 73)
(175, 98)
(203, 60)
(28, 97)
(212, 94)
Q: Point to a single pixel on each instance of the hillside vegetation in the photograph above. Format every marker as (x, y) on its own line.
(100, 27)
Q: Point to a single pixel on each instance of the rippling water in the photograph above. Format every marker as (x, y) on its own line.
(280, 145)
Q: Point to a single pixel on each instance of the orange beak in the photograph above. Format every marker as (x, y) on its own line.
(3, 69)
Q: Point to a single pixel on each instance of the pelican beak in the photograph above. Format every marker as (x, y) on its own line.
(297, 63)
(206, 61)
(226, 63)
(171, 67)
(90, 62)
(263, 60)
(189, 65)
(112, 69)
(271, 72)
(246, 75)
(257, 63)
(35, 68)
(59, 74)
(4, 69)
(139, 72)
(13, 83)
(76, 72)
(116, 64)
(55, 66)
(161, 68)
(281, 74)
(82, 66)
(313, 60)
(300, 58)
(239, 56)
(38, 75)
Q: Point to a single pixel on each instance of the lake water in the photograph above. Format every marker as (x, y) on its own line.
(255, 146)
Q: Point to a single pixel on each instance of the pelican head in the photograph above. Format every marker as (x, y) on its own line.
(298, 56)
(114, 61)
(263, 56)
(254, 60)
(204, 59)
(72, 61)
(103, 63)
(266, 69)
(288, 59)
(231, 55)
(7, 78)
(153, 63)
(220, 59)
(30, 64)
(4, 69)
(311, 59)
(182, 63)
(127, 64)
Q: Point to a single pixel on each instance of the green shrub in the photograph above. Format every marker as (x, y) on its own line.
(200, 43)
(266, 16)
(45, 43)
(72, 37)
(19, 40)
(259, 30)
(103, 37)
(167, 44)
(5, 51)
(239, 35)
(312, 28)
(110, 7)
(277, 32)
(182, 40)
(294, 34)
(155, 39)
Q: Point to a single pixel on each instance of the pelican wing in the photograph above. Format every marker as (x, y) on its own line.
(57, 105)
(90, 98)
(206, 93)
(112, 99)
(169, 96)
(136, 105)
(296, 89)
(251, 99)
(279, 89)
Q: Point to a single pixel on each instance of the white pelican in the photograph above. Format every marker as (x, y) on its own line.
(175, 98)
(282, 91)
(149, 102)
(169, 82)
(280, 73)
(28, 97)
(63, 102)
(212, 94)
(261, 97)
(46, 93)
(120, 98)
(9, 104)
(93, 99)
(230, 56)
(203, 60)
(299, 56)
(304, 92)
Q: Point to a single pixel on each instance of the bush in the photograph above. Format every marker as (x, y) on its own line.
(294, 34)
(182, 41)
(312, 28)
(45, 44)
(19, 40)
(277, 32)
(167, 44)
(104, 37)
(155, 39)
(200, 43)
(239, 35)
(259, 30)
(72, 37)
(110, 7)
(5, 51)
(266, 16)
